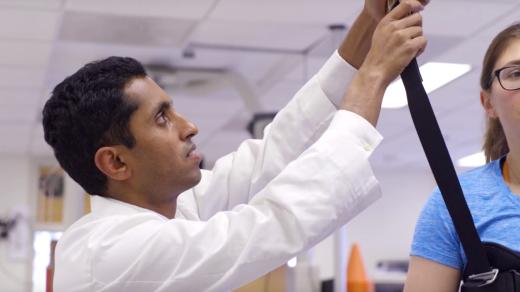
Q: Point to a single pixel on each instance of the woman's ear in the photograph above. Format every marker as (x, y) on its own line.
(110, 162)
(487, 104)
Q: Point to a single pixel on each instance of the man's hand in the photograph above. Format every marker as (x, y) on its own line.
(358, 40)
(379, 8)
(397, 39)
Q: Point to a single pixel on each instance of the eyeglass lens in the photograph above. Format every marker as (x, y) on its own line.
(509, 77)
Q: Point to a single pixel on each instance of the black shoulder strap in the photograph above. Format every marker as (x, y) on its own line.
(442, 167)
(443, 170)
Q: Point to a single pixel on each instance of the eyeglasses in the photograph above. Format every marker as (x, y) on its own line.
(509, 77)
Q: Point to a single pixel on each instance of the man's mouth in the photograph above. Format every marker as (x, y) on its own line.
(193, 154)
(191, 149)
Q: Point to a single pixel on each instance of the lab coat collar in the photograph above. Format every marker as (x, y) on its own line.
(108, 206)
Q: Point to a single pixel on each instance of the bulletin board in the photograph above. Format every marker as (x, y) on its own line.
(49, 203)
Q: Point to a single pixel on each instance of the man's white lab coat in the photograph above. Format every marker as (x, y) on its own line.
(260, 206)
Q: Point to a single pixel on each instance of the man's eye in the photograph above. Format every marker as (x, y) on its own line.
(162, 118)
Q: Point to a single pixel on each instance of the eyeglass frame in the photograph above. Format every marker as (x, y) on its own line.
(496, 74)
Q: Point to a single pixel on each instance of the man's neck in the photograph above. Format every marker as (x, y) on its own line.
(167, 209)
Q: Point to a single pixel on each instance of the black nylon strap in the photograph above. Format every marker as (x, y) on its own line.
(442, 167)
(440, 162)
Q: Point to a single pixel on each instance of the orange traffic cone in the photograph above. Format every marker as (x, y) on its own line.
(357, 280)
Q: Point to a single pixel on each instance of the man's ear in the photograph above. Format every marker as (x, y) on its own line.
(487, 104)
(110, 162)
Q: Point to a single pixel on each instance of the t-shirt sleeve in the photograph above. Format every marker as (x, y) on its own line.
(435, 238)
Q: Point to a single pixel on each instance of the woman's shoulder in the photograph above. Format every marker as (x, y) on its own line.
(483, 187)
(485, 178)
(490, 167)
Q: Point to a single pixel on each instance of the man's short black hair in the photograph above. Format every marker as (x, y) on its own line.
(88, 110)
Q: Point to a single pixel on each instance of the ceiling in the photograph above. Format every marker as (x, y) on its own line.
(238, 57)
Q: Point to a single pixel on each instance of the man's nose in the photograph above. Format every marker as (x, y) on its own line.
(187, 128)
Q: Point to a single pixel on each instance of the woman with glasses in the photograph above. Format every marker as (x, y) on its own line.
(491, 191)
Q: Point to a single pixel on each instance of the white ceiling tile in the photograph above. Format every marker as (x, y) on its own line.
(28, 24)
(25, 53)
(125, 30)
(444, 17)
(68, 57)
(254, 64)
(258, 36)
(219, 145)
(217, 58)
(37, 144)
(15, 137)
(21, 77)
(458, 94)
(293, 11)
(257, 67)
(279, 95)
(19, 96)
(465, 123)
(399, 151)
(209, 112)
(473, 48)
(32, 4)
(19, 113)
(185, 9)
(307, 68)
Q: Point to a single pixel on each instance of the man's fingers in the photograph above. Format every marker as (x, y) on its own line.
(411, 32)
(404, 9)
(414, 19)
(418, 45)
(424, 2)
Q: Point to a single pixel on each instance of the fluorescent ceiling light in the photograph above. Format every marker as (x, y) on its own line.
(473, 160)
(292, 262)
(435, 75)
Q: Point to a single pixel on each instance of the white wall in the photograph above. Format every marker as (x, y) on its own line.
(385, 229)
(17, 183)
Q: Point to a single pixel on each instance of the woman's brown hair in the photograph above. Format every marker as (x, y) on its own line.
(495, 143)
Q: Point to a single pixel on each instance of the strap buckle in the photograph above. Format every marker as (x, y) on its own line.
(483, 279)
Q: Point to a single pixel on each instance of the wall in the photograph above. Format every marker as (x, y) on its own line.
(385, 230)
(16, 181)
(19, 181)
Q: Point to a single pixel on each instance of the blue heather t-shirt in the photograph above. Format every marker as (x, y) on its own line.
(495, 210)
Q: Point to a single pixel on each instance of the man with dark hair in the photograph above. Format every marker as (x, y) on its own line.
(159, 223)
(91, 102)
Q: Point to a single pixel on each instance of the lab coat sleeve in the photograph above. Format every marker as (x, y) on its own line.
(319, 191)
(237, 177)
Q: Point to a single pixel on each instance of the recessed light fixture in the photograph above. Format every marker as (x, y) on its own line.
(435, 75)
(473, 160)
(292, 262)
